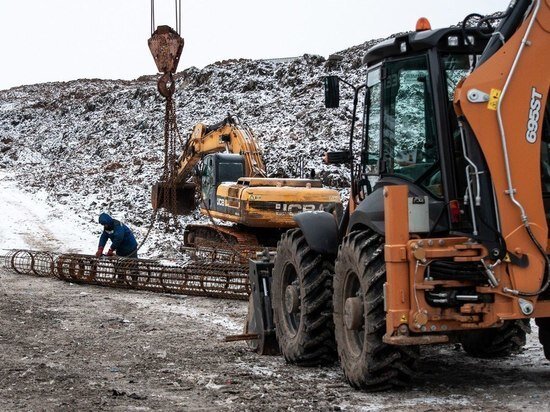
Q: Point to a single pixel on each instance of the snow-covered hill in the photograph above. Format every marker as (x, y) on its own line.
(97, 145)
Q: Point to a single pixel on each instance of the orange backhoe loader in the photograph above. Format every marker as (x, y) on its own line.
(445, 238)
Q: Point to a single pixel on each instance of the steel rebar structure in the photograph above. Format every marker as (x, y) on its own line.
(222, 276)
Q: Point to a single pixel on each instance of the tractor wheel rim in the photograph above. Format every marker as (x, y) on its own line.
(292, 311)
(292, 299)
(353, 313)
(354, 335)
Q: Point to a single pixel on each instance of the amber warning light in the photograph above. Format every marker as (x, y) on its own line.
(455, 211)
(423, 24)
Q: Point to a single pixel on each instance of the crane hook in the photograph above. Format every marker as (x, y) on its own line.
(166, 46)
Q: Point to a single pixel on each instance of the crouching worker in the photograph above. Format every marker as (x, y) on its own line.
(122, 239)
(123, 243)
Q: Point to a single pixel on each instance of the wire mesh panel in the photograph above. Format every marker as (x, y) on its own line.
(22, 262)
(211, 274)
(43, 263)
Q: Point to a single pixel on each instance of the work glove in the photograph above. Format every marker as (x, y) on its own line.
(99, 252)
(111, 252)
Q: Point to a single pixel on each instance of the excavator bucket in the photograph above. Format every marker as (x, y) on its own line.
(183, 202)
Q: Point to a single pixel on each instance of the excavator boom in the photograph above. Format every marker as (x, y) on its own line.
(224, 136)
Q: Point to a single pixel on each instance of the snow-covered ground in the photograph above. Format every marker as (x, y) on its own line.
(159, 337)
(29, 221)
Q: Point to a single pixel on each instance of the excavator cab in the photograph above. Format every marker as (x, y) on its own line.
(218, 168)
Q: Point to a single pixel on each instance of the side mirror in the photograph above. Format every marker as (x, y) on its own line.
(332, 92)
(337, 158)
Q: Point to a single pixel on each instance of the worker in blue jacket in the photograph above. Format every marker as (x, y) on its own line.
(122, 239)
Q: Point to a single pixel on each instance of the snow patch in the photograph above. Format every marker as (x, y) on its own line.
(29, 221)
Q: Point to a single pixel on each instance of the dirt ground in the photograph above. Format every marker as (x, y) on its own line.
(87, 348)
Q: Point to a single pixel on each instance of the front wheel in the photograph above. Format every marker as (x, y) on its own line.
(360, 319)
(302, 302)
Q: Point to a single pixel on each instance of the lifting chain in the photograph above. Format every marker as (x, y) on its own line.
(171, 134)
(166, 46)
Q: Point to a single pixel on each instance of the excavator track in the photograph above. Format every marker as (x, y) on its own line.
(209, 272)
(227, 237)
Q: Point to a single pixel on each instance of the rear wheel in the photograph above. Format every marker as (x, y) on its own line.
(360, 319)
(501, 342)
(544, 334)
(302, 302)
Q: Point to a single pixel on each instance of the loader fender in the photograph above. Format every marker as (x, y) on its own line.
(320, 230)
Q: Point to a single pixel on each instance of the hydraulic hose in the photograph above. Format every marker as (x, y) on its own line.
(546, 282)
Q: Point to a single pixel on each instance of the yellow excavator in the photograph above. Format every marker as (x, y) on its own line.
(222, 169)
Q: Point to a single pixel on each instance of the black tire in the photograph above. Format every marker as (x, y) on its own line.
(544, 335)
(360, 273)
(302, 302)
(507, 340)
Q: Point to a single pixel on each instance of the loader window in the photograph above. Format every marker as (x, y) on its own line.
(371, 144)
(457, 66)
(408, 134)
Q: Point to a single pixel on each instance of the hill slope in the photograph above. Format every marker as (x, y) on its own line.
(97, 145)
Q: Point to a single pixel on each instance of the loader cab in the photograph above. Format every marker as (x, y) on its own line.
(216, 169)
(410, 130)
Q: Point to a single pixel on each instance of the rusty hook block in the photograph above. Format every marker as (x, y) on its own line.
(166, 46)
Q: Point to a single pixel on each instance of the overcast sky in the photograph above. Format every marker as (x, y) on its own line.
(51, 40)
